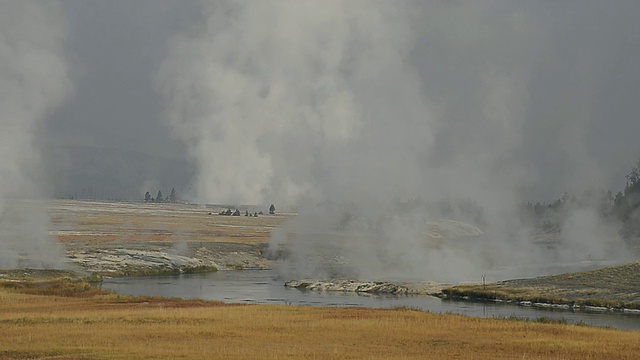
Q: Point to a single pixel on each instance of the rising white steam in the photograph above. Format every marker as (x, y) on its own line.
(269, 95)
(342, 104)
(33, 81)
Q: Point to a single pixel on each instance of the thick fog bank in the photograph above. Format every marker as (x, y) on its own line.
(344, 109)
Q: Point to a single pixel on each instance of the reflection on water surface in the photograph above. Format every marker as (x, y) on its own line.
(264, 287)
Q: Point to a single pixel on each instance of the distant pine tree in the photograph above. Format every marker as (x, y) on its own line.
(627, 207)
(159, 197)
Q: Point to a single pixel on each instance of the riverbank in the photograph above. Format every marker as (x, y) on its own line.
(140, 259)
(38, 321)
(615, 288)
(610, 289)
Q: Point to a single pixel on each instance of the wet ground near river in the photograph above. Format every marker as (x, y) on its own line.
(265, 287)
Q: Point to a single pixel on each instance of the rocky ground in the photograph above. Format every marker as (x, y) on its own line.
(118, 239)
(372, 287)
(142, 259)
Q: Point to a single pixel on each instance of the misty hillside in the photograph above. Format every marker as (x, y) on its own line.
(88, 172)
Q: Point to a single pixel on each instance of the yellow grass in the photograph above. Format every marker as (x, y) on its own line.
(109, 326)
(103, 222)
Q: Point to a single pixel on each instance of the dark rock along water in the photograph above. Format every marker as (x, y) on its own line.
(264, 287)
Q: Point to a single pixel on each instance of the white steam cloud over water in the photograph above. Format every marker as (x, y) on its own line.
(33, 81)
(342, 104)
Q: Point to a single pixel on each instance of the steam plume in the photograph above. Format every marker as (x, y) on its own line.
(269, 95)
(343, 104)
(33, 80)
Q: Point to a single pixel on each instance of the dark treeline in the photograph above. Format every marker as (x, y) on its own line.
(623, 207)
(553, 215)
(172, 198)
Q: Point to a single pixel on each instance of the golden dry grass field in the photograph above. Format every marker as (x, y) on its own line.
(109, 326)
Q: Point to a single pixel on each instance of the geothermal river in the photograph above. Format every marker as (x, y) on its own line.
(264, 287)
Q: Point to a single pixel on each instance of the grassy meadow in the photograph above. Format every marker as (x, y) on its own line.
(69, 320)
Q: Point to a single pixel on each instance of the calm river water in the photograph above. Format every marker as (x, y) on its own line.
(264, 287)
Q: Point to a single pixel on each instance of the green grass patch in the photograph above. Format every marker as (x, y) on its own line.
(58, 287)
(155, 271)
(496, 292)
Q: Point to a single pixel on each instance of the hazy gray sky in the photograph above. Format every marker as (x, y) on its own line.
(283, 101)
